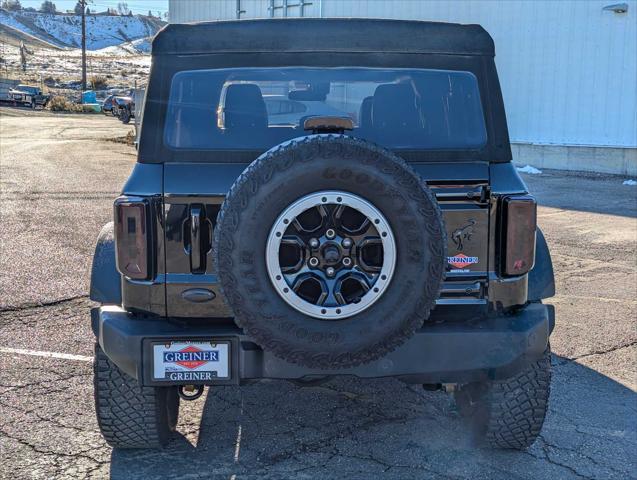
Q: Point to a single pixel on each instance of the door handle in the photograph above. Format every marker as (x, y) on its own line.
(196, 256)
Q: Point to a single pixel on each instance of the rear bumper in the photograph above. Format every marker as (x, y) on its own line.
(442, 353)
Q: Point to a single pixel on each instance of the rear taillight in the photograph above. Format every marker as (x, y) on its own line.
(520, 217)
(131, 237)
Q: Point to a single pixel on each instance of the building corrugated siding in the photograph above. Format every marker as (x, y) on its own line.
(568, 69)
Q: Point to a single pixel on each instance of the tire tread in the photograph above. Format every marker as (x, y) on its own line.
(517, 406)
(128, 415)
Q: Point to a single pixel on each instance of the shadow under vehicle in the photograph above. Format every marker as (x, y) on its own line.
(394, 239)
(340, 429)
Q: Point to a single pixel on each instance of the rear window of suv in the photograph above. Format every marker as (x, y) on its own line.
(257, 108)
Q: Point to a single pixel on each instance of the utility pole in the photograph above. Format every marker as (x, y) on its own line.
(83, 3)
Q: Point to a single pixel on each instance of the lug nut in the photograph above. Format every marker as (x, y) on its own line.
(347, 261)
(314, 262)
(314, 243)
(330, 271)
(347, 242)
(330, 233)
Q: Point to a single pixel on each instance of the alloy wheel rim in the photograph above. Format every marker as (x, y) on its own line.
(331, 255)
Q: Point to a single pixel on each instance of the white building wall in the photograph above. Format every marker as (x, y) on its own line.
(568, 68)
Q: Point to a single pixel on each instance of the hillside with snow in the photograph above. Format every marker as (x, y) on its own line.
(102, 31)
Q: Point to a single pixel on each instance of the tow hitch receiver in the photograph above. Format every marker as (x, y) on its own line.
(190, 392)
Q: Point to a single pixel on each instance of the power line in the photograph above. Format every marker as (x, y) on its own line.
(83, 5)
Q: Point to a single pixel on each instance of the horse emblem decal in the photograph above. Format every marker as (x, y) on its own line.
(459, 235)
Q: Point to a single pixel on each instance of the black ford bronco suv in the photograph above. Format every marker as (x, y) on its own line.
(320, 197)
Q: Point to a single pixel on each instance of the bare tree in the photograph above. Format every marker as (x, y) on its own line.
(12, 5)
(48, 7)
(123, 9)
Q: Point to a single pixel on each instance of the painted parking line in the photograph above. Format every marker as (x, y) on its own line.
(37, 353)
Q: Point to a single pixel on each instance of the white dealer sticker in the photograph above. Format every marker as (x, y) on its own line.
(191, 361)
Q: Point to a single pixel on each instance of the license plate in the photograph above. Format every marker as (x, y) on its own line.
(191, 361)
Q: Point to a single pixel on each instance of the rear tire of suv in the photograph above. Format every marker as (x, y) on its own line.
(509, 413)
(129, 415)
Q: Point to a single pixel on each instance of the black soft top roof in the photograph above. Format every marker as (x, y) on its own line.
(323, 35)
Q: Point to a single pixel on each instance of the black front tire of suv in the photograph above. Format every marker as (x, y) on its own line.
(129, 415)
(509, 414)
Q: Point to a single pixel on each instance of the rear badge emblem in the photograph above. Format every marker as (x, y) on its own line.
(459, 235)
(461, 260)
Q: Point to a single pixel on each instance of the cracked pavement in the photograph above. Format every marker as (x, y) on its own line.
(54, 198)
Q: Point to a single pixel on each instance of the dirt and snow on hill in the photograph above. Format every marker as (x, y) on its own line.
(136, 47)
(101, 31)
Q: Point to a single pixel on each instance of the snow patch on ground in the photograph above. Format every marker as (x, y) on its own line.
(121, 68)
(141, 46)
(629, 182)
(529, 169)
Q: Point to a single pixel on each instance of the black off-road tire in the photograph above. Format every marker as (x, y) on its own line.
(291, 171)
(125, 116)
(129, 415)
(509, 414)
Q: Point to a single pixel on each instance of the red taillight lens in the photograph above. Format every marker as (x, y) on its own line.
(520, 214)
(131, 237)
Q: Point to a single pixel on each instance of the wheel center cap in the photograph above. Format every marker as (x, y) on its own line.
(331, 254)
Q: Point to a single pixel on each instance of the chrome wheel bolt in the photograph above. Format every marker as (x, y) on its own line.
(347, 242)
(330, 271)
(330, 233)
(347, 261)
(314, 262)
(314, 243)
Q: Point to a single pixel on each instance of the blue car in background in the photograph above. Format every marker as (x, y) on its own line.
(107, 106)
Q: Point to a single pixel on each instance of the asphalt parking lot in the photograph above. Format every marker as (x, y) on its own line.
(58, 177)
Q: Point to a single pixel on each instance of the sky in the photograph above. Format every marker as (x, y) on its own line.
(137, 6)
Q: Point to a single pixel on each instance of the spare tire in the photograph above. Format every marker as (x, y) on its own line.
(330, 250)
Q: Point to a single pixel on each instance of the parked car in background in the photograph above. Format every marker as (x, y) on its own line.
(28, 95)
(124, 107)
(108, 106)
